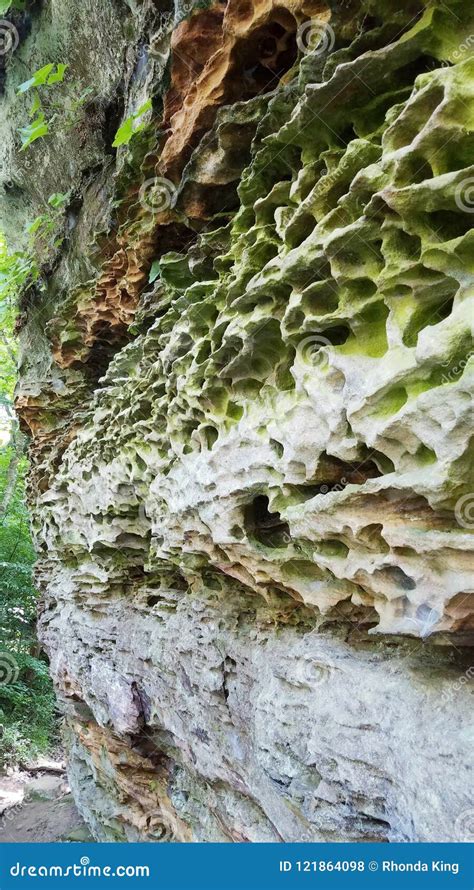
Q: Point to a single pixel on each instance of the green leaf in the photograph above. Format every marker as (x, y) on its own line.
(124, 133)
(58, 75)
(154, 271)
(147, 106)
(45, 76)
(58, 199)
(35, 130)
(39, 77)
(6, 5)
(35, 225)
(130, 125)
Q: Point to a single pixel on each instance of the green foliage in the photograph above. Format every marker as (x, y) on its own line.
(6, 5)
(43, 231)
(68, 107)
(154, 271)
(131, 125)
(27, 702)
(58, 199)
(17, 271)
(20, 270)
(33, 131)
(27, 712)
(46, 76)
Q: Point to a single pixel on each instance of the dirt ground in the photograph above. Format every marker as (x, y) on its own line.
(37, 807)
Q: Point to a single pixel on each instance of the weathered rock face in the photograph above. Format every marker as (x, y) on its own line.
(250, 467)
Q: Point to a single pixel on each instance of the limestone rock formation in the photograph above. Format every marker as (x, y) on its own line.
(245, 369)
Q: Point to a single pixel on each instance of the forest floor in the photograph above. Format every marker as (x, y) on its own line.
(36, 806)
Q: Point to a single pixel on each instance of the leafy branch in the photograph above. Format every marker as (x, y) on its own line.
(132, 125)
(48, 75)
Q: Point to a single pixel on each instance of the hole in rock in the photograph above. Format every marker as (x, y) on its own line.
(264, 56)
(413, 169)
(149, 743)
(382, 463)
(153, 600)
(425, 455)
(257, 61)
(448, 225)
(460, 609)
(371, 537)
(320, 299)
(229, 667)
(334, 474)
(332, 548)
(300, 229)
(101, 354)
(265, 527)
(427, 316)
(12, 189)
(277, 447)
(338, 334)
(399, 577)
(369, 22)
(409, 125)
